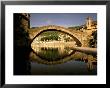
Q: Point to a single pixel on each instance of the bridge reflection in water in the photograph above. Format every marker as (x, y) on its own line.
(57, 58)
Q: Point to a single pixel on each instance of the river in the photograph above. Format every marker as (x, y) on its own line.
(58, 59)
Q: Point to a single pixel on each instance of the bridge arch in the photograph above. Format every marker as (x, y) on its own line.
(57, 28)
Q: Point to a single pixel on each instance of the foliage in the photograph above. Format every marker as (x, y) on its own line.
(76, 27)
(48, 33)
(93, 41)
(94, 23)
(52, 37)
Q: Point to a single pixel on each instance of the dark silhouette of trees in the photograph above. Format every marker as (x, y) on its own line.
(93, 41)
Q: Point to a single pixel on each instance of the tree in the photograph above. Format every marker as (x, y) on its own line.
(93, 41)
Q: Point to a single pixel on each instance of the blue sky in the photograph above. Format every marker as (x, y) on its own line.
(61, 19)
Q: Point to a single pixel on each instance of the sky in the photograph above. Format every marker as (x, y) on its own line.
(60, 19)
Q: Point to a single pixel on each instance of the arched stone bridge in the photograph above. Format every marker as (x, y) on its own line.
(78, 36)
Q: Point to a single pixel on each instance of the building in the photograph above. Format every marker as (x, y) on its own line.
(90, 24)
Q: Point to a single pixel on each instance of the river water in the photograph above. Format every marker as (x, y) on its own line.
(58, 59)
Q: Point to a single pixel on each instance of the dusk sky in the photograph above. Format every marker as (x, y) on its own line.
(60, 19)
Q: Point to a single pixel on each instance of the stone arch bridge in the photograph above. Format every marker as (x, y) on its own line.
(78, 36)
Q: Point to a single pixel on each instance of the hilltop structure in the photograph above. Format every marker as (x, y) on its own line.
(90, 24)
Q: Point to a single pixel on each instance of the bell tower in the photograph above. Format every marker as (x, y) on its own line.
(89, 23)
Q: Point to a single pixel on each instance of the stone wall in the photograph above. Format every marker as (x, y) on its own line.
(21, 44)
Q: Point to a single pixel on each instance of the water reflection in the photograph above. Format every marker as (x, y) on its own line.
(59, 56)
(51, 52)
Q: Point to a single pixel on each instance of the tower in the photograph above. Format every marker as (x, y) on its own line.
(22, 20)
(89, 23)
(21, 27)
